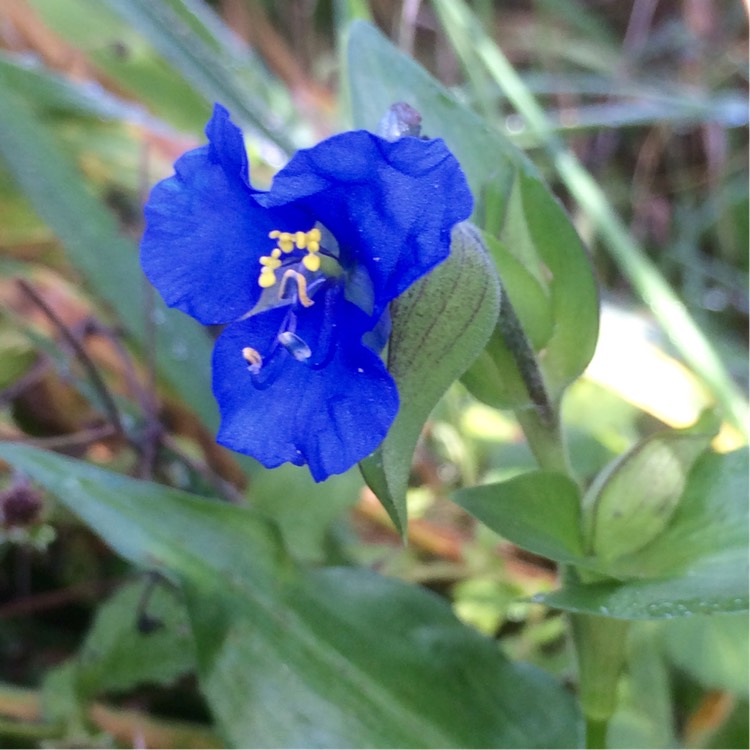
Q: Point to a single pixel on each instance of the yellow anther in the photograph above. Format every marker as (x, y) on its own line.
(268, 266)
(253, 359)
(311, 262)
(286, 243)
(301, 286)
(271, 261)
(267, 278)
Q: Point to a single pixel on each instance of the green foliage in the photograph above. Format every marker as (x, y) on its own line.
(698, 564)
(538, 511)
(345, 648)
(267, 612)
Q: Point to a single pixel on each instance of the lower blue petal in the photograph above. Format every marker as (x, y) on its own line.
(328, 418)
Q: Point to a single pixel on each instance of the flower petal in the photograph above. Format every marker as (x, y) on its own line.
(390, 204)
(205, 232)
(329, 418)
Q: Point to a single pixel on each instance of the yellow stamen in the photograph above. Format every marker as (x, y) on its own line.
(266, 279)
(268, 266)
(301, 286)
(311, 262)
(286, 243)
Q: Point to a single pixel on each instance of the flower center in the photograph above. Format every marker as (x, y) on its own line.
(287, 242)
(298, 261)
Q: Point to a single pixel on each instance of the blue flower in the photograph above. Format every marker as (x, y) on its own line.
(303, 274)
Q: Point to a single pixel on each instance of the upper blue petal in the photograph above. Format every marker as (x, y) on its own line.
(391, 205)
(329, 416)
(205, 231)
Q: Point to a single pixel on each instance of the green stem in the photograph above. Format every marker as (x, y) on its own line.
(596, 733)
(600, 644)
(546, 440)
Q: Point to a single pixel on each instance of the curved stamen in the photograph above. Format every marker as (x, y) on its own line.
(301, 286)
(253, 359)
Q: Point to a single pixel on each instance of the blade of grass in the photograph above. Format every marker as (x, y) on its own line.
(212, 60)
(642, 273)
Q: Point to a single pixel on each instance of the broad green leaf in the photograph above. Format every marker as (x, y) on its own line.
(328, 658)
(515, 207)
(104, 256)
(538, 511)
(632, 501)
(697, 565)
(440, 324)
(303, 509)
(116, 656)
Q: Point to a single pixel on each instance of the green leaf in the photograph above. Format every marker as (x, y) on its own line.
(547, 278)
(531, 227)
(632, 501)
(95, 246)
(537, 511)
(116, 656)
(323, 659)
(302, 508)
(440, 324)
(697, 565)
